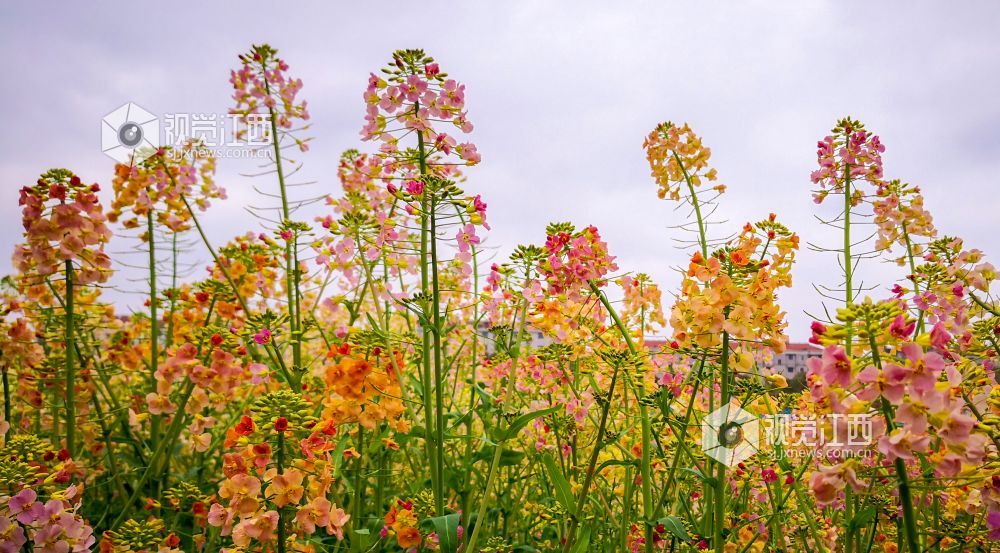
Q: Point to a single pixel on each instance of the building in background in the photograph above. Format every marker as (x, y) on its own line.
(792, 362)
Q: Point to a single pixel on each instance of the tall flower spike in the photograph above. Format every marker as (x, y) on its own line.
(676, 158)
(574, 259)
(850, 152)
(261, 86)
(900, 217)
(412, 97)
(162, 182)
(63, 221)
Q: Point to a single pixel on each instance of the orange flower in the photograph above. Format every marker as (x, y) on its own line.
(408, 537)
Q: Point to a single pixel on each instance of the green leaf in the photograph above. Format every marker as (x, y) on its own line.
(708, 480)
(863, 518)
(564, 493)
(447, 530)
(583, 542)
(675, 527)
(508, 457)
(520, 422)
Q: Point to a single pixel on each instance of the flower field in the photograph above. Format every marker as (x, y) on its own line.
(374, 379)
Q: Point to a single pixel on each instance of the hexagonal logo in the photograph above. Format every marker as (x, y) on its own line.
(730, 435)
(130, 134)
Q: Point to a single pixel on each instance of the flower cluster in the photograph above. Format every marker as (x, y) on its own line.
(264, 93)
(366, 392)
(901, 218)
(162, 183)
(849, 154)
(574, 259)
(413, 96)
(279, 475)
(63, 222)
(402, 521)
(51, 525)
(678, 158)
(735, 290)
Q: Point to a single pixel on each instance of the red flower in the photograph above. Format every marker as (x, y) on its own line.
(245, 427)
(281, 424)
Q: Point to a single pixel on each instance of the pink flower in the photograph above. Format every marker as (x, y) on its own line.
(900, 328)
(828, 482)
(940, 337)
(12, 534)
(467, 238)
(338, 519)
(769, 476)
(901, 443)
(414, 187)
(469, 153)
(926, 367)
(260, 528)
(263, 337)
(834, 367)
(260, 373)
(313, 514)
(24, 507)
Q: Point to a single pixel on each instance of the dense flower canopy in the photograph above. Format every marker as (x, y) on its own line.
(379, 378)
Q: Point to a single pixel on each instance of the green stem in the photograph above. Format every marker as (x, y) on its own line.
(720, 484)
(154, 323)
(697, 207)
(645, 471)
(848, 268)
(70, 364)
(913, 273)
(905, 496)
(592, 466)
(438, 372)
(291, 268)
(431, 360)
(6, 404)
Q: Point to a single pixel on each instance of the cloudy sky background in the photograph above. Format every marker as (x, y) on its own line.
(561, 94)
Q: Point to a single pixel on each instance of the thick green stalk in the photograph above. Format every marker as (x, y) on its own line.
(848, 294)
(70, 364)
(6, 404)
(154, 462)
(720, 484)
(905, 496)
(359, 480)
(848, 268)
(173, 288)
(913, 273)
(702, 241)
(154, 323)
(291, 268)
(431, 336)
(438, 373)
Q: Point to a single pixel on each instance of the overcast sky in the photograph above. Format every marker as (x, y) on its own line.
(561, 94)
